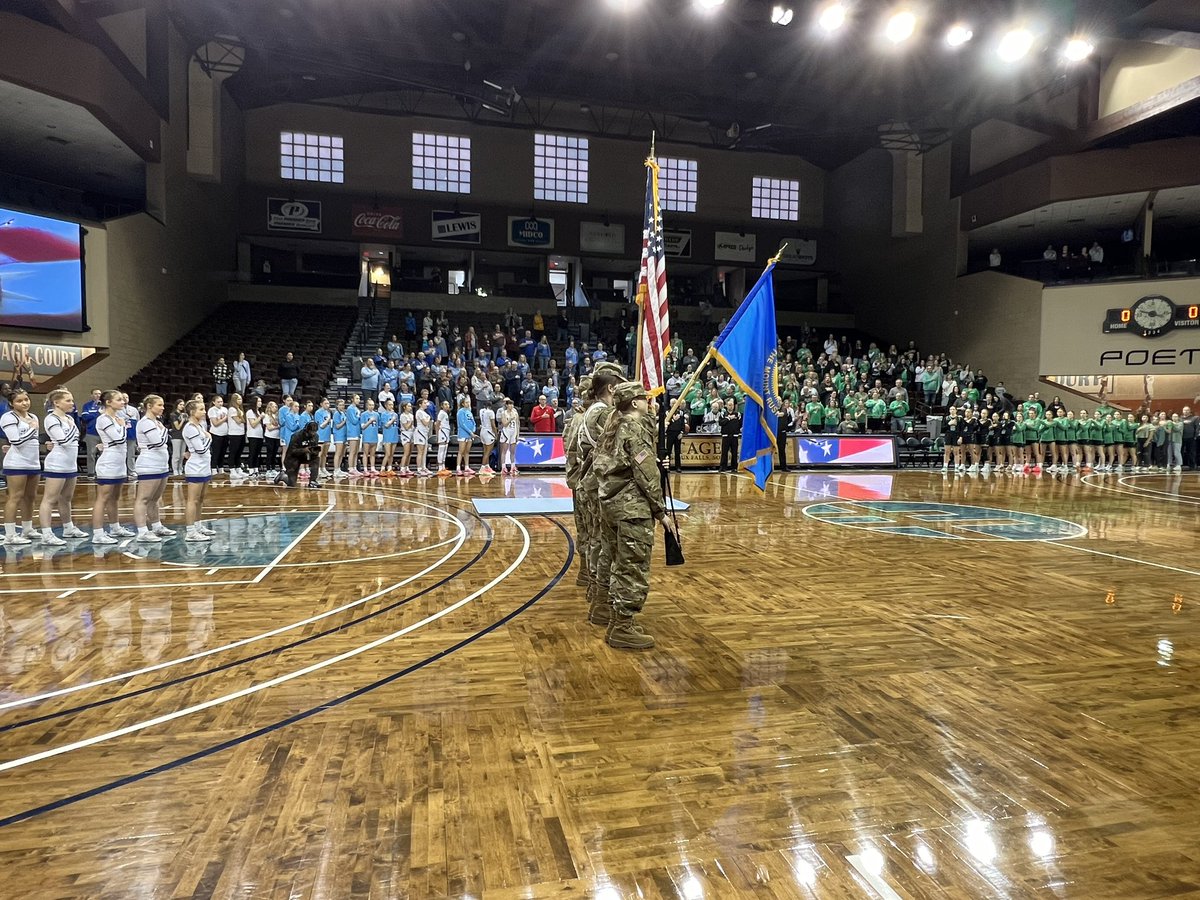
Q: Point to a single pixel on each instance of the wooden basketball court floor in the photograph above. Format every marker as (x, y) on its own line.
(865, 685)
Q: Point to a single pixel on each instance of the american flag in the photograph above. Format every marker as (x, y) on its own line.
(655, 337)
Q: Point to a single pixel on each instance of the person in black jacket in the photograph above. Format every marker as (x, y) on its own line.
(731, 430)
(676, 428)
(304, 449)
(787, 421)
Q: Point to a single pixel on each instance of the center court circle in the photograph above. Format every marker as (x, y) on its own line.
(944, 521)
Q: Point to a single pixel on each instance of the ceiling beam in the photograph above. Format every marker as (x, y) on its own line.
(1168, 36)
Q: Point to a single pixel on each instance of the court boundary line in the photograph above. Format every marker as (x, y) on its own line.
(22, 723)
(229, 744)
(163, 719)
(288, 549)
(242, 642)
(1132, 559)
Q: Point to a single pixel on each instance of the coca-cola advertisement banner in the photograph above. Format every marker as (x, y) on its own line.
(378, 221)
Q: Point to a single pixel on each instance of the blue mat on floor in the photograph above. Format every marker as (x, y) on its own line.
(536, 506)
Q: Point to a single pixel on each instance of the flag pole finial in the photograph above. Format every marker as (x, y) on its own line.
(778, 256)
(653, 135)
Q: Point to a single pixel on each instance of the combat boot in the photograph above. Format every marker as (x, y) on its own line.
(624, 634)
(600, 609)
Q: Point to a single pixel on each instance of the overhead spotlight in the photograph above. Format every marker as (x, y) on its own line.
(1078, 49)
(900, 26)
(781, 15)
(1015, 44)
(957, 35)
(708, 6)
(623, 5)
(832, 17)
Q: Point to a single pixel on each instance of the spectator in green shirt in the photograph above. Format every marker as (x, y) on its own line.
(815, 410)
(897, 410)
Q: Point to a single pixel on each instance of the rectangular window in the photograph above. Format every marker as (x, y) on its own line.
(560, 168)
(775, 198)
(311, 157)
(441, 162)
(677, 184)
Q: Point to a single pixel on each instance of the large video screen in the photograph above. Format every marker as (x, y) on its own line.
(41, 272)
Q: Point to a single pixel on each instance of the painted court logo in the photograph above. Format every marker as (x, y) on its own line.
(944, 521)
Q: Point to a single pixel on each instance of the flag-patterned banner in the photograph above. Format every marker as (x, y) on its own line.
(655, 339)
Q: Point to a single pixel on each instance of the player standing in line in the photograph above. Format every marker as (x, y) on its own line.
(324, 419)
(22, 468)
(487, 437)
(509, 422)
(153, 465)
(353, 435)
(61, 467)
(443, 437)
(111, 468)
(197, 470)
(421, 437)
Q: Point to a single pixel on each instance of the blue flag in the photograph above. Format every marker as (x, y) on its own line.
(747, 350)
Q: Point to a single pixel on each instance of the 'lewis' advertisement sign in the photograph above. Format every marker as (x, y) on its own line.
(530, 232)
(377, 221)
(456, 227)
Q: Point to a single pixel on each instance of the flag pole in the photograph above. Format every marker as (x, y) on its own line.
(709, 355)
(641, 322)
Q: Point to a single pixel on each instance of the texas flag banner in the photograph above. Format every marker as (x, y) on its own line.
(838, 450)
(543, 450)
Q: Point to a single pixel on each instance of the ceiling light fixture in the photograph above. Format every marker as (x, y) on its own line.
(957, 35)
(781, 15)
(900, 26)
(708, 6)
(623, 5)
(1015, 44)
(1078, 49)
(832, 17)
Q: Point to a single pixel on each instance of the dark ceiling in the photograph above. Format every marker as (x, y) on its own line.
(824, 99)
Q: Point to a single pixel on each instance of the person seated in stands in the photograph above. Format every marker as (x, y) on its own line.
(523, 367)
(1050, 254)
(395, 349)
(530, 390)
(526, 345)
(1096, 252)
(599, 354)
(541, 355)
(539, 325)
(427, 325)
(897, 410)
(410, 326)
(511, 319)
(689, 361)
(994, 258)
(898, 391)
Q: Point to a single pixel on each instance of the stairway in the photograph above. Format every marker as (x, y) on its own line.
(369, 333)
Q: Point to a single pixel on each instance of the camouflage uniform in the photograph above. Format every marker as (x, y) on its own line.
(631, 500)
(595, 420)
(571, 446)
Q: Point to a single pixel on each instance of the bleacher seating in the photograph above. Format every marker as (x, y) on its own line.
(265, 332)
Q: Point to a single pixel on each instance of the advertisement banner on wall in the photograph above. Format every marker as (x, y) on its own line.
(596, 237)
(799, 253)
(1145, 328)
(456, 227)
(530, 232)
(678, 243)
(377, 221)
(735, 247)
(294, 215)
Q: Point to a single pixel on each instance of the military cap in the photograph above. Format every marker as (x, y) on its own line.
(609, 368)
(628, 390)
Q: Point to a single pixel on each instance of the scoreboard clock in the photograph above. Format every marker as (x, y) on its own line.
(1152, 316)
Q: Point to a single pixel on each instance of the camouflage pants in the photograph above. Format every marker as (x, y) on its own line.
(583, 538)
(624, 564)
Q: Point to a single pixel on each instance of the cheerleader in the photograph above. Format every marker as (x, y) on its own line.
(197, 470)
(270, 425)
(218, 429)
(407, 423)
(369, 423)
(389, 424)
(421, 438)
(62, 467)
(111, 468)
(339, 438)
(487, 436)
(131, 420)
(353, 435)
(178, 418)
(323, 416)
(950, 441)
(254, 433)
(509, 421)
(237, 431)
(153, 466)
(22, 468)
(466, 434)
(443, 437)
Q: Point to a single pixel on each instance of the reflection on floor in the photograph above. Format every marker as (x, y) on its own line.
(407, 701)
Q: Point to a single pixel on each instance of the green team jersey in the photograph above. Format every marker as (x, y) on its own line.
(816, 413)
(1070, 429)
(1088, 430)
(1108, 432)
(1018, 433)
(1045, 430)
(833, 415)
(1128, 431)
(876, 408)
(1059, 430)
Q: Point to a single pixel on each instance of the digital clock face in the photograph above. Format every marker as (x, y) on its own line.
(1152, 316)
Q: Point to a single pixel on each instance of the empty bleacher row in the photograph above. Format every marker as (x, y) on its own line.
(265, 332)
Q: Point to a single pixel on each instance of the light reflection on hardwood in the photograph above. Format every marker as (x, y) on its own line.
(973, 719)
